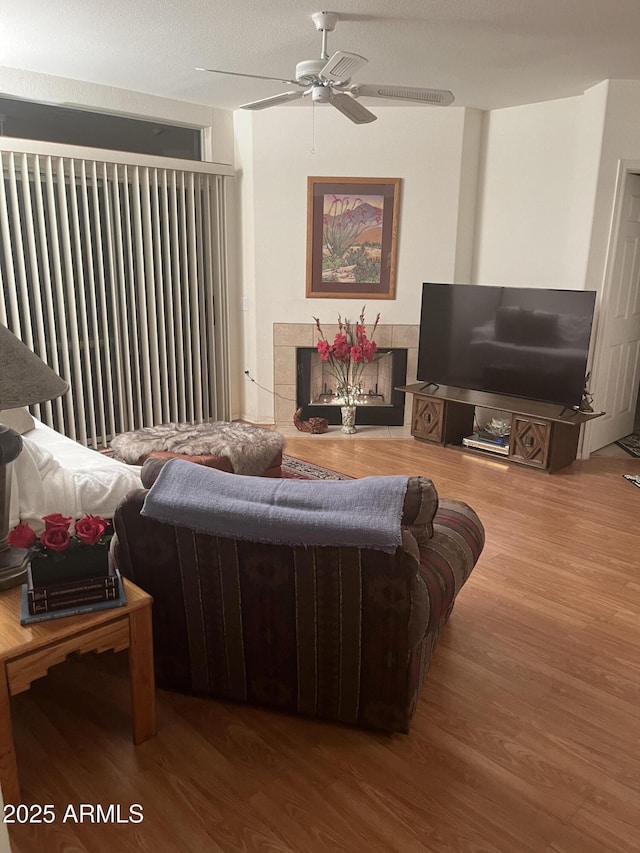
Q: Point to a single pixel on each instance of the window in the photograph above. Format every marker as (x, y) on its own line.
(30, 120)
(116, 276)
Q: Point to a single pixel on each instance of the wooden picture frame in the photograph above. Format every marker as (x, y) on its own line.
(352, 231)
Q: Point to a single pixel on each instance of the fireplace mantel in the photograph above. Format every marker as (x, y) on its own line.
(288, 336)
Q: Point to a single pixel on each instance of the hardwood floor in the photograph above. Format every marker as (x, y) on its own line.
(526, 738)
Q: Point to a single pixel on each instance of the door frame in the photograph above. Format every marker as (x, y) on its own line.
(625, 169)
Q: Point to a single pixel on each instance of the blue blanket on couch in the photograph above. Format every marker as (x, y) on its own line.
(363, 513)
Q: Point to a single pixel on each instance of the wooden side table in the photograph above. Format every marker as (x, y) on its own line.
(27, 653)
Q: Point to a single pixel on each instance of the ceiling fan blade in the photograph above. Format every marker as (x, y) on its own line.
(437, 97)
(253, 76)
(273, 101)
(342, 66)
(352, 109)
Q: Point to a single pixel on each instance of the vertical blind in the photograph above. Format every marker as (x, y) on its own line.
(115, 274)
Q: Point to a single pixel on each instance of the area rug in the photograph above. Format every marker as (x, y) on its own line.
(297, 469)
(631, 443)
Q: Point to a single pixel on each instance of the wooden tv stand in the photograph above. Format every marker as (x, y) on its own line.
(543, 435)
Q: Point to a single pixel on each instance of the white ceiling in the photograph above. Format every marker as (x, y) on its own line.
(490, 53)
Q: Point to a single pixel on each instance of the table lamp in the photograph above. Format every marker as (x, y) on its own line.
(24, 379)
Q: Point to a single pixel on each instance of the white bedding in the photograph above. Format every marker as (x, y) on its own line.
(56, 474)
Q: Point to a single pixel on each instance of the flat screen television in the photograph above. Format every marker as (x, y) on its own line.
(521, 341)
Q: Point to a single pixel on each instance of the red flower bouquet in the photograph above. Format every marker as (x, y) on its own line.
(58, 552)
(57, 536)
(351, 349)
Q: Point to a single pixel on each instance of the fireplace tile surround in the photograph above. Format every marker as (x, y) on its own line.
(288, 336)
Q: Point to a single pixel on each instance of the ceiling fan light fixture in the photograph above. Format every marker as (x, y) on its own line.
(321, 94)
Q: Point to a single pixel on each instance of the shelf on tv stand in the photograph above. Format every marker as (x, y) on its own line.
(543, 435)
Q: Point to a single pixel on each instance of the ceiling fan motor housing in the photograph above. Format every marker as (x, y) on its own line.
(308, 70)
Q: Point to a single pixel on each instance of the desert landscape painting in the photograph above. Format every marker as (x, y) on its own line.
(351, 236)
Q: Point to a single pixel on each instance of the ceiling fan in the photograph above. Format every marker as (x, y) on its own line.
(328, 81)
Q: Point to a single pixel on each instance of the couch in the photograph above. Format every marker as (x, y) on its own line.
(340, 632)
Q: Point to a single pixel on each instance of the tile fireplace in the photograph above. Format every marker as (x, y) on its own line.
(398, 348)
(378, 402)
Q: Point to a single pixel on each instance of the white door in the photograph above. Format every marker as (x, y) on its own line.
(617, 373)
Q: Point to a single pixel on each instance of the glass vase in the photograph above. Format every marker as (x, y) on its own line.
(348, 419)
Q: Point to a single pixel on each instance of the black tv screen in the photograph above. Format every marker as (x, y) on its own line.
(521, 341)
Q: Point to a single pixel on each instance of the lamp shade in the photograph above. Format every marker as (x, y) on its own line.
(24, 378)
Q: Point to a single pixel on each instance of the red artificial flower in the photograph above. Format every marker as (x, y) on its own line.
(340, 349)
(90, 529)
(56, 538)
(22, 536)
(324, 349)
(347, 354)
(357, 354)
(370, 349)
(55, 521)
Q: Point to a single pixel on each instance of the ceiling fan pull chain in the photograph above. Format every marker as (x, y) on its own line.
(313, 127)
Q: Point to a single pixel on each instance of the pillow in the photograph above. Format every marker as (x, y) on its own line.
(19, 420)
(420, 505)
(526, 328)
(151, 468)
(508, 324)
(574, 331)
(539, 329)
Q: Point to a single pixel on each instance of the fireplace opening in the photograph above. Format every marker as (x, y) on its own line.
(378, 402)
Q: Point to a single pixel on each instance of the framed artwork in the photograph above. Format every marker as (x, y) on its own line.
(352, 230)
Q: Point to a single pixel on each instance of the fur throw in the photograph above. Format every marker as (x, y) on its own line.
(249, 449)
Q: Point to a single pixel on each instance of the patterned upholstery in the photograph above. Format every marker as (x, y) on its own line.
(339, 633)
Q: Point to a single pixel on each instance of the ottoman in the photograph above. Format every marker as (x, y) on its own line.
(234, 447)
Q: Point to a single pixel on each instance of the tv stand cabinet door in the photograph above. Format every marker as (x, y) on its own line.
(530, 441)
(427, 419)
(543, 444)
(441, 421)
